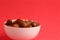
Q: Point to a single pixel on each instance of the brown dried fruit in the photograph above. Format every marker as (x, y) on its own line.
(9, 23)
(34, 24)
(28, 22)
(15, 25)
(30, 26)
(21, 23)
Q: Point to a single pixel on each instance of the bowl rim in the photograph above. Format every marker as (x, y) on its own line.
(21, 27)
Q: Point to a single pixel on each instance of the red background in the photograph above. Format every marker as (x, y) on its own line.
(47, 12)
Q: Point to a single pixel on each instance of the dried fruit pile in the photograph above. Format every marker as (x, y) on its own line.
(22, 23)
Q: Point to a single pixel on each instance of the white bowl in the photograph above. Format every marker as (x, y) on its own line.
(21, 33)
